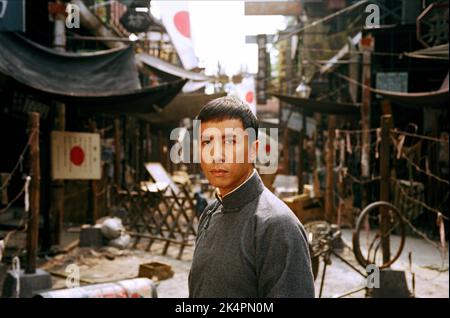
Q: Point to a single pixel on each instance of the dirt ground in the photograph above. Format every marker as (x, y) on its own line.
(110, 264)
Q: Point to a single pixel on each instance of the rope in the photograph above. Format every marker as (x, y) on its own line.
(27, 193)
(419, 136)
(415, 230)
(324, 19)
(356, 131)
(18, 163)
(16, 273)
(13, 200)
(421, 170)
(356, 180)
(423, 204)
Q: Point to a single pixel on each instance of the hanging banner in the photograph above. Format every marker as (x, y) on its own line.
(263, 71)
(75, 156)
(176, 19)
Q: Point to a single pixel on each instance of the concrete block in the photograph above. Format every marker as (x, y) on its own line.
(392, 285)
(91, 237)
(30, 284)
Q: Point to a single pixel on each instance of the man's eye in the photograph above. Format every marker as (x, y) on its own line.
(229, 141)
(205, 142)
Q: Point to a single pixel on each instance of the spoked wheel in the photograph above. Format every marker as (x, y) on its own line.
(316, 231)
(367, 243)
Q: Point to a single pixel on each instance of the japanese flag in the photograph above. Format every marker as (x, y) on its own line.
(246, 92)
(176, 19)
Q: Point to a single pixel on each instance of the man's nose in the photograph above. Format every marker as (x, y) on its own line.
(218, 155)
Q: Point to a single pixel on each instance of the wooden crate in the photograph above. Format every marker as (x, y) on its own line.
(305, 208)
(155, 271)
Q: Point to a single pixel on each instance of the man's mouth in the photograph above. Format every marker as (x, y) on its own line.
(218, 172)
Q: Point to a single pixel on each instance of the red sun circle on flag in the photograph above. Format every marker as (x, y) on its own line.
(181, 21)
(249, 97)
(77, 155)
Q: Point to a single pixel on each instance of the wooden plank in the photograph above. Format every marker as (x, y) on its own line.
(273, 8)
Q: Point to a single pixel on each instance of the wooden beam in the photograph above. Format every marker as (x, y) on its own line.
(35, 192)
(367, 45)
(273, 8)
(251, 39)
(57, 186)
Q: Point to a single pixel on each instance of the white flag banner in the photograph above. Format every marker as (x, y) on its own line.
(176, 19)
(246, 92)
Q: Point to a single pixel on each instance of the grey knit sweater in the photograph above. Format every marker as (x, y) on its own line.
(250, 244)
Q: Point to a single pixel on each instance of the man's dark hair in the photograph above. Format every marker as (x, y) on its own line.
(229, 107)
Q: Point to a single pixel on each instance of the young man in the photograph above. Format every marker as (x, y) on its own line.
(249, 243)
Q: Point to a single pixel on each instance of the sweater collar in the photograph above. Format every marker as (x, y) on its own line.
(243, 194)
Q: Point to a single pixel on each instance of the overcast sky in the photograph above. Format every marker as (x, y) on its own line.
(218, 30)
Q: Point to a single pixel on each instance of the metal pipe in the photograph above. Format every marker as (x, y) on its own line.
(130, 288)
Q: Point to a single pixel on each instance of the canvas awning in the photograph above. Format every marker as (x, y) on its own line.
(316, 106)
(433, 99)
(182, 106)
(165, 69)
(99, 81)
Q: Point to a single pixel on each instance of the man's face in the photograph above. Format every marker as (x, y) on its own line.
(225, 156)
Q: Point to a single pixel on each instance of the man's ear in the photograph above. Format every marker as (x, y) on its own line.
(254, 151)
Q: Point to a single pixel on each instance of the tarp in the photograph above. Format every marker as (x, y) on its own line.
(182, 106)
(164, 68)
(99, 81)
(434, 99)
(316, 106)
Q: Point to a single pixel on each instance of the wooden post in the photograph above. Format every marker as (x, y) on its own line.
(329, 191)
(286, 149)
(93, 204)
(301, 153)
(117, 152)
(161, 148)
(316, 165)
(35, 173)
(367, 45)
(143, 151)
(148, 143)
(138, 151)
(385, 156)
(57, 186)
